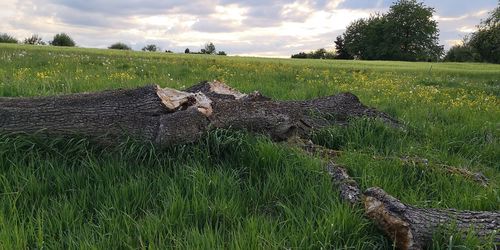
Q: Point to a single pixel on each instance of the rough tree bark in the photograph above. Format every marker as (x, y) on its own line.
(412, 228)
(168, 117)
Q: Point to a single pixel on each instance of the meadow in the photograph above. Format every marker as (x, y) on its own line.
(237, 190)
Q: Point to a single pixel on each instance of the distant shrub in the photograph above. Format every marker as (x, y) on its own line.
(62, 39)
(187, 51)
(34, 40)
(462, 53)
(5, 38)
(221, 53)
(150, 48)
(317, 54)
(300, 55)
(120, 46)
(168, 51)
(209, 49)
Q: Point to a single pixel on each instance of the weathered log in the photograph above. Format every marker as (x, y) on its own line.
(412, 228)
(168, 117)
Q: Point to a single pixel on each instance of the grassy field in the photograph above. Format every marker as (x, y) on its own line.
(235, 190)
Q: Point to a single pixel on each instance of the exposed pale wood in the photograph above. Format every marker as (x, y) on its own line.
(177, 100)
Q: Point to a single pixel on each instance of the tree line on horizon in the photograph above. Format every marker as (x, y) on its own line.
(63, 39)
(407, 32)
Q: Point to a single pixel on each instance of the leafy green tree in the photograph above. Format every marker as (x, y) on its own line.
(462, 53)
(412, 32)
(6, 38)
(34, 40)
(62, 39)
(151, 48)
(340, 49)
(209, 49)
(407, 32)
(319, 54)
(300, 55)
(119, 46)
(486, 41)
(364, 39)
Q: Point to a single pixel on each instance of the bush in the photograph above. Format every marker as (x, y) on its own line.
(317, 54)
(34, 40)
(462, 53)
(301, 55)
(151, 48)
(5, 38)
(120, 46)
(209, 49)
(187, 51)
(221, 53)
(62, 39)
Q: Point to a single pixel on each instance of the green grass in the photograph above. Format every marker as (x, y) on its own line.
(232, 189)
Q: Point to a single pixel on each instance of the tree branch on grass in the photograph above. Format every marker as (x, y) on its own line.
(324, 152)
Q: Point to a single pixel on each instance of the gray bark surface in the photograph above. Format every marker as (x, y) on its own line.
(109, 114)
(140, 113)
(412, 228)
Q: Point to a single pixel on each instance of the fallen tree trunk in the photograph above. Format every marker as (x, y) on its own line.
(167, 116)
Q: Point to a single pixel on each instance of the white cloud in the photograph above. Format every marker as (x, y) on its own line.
(467, 29)
(254, 27)
(453, 42)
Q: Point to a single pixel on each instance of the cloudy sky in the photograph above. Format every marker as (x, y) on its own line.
(251, 27)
